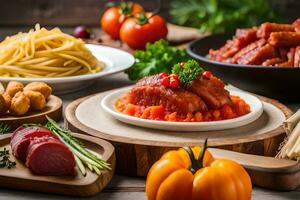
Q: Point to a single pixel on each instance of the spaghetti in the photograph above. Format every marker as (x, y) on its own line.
(46, 53)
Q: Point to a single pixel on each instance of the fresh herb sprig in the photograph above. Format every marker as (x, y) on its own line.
(83, 156)
(157, 57)
(187, 72)
(223, 15)
(5, 161)
(4, 128)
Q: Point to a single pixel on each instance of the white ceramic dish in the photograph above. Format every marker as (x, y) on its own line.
(256, 107)
(115, 61)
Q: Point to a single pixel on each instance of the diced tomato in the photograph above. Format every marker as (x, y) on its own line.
(216, 114)
(130, 109)
(207, 117)
(198, 117)
(172, 117)
(157, 112)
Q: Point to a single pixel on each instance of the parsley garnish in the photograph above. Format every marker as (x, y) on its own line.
(188, 72)
(157, 57)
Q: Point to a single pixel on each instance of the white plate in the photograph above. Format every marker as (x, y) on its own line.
(255, 104)
(115, 61)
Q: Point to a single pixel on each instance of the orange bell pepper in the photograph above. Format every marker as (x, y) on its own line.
(193, 174)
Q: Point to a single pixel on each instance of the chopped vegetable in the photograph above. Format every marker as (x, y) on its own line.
(4, 128)
(158, 57)
(222, 15)
(187, 72)
(5, 161)
(83, 156)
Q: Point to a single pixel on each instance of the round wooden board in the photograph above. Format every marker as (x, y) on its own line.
(53, 109)
(138, 148)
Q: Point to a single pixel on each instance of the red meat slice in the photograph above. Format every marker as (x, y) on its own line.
(297, 57)
(48, 156)
(21, 139)
(267, 28)
(243, 37)
(272, 62)
(212, 91)
(246, 50)
(296, 24)
(258, 55)
(150, 92)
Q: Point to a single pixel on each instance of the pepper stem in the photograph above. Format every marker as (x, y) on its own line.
(202, 154)
(196, 164)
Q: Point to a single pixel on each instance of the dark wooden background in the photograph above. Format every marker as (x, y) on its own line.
(75, 12)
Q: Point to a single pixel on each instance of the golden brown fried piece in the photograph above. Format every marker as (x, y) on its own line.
(7, 99)
(279, 39)
(13, 87)
(3, 105)
(267, 28)
(37, 100)
(41, 87)
(20, 104)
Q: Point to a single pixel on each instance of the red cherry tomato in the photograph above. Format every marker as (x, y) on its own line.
(165, 81)
(174, 83)
(174, 76)
(163, 75)
(207, 74)
(136, 35)
(113, 18)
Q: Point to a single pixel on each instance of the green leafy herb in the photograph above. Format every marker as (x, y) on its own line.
(4, 128)
(5, 161)
(222, 15)
(158, 57)
(83, 156)
(187, 72)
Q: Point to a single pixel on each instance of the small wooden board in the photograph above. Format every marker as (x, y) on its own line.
(53, 109)
(135, 155)
(268, 172)
(21, 178)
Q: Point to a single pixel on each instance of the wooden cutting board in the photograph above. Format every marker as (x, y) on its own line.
(21, 178)
(135, 155)
(177, 36)
(268, 172)
(53, 109)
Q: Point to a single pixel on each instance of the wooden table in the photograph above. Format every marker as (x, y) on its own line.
(121, 187)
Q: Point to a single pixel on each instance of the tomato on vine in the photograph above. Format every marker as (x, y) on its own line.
(136, 32)
(113, 18)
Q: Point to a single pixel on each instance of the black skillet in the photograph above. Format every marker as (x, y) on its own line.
(282, 83)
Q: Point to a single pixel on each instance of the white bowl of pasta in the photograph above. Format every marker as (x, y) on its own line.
(62, 61)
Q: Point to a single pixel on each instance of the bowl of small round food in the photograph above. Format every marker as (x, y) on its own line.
(263, 60)
(59, 59)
